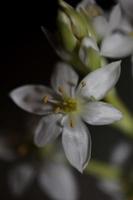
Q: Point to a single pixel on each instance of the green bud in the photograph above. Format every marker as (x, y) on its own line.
(66, 36)
(73, 25)
(94, 59)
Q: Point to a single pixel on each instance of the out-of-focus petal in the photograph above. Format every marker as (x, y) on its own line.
(58, 182)
(98, 83)
(120, 153)
(30, 98)
(127, 7)
(20, 178)
(48, 129)
(115, 18)
(117, 45)
(101, 25)
(112, 188)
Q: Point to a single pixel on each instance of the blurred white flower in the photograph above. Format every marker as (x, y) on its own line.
(54, 178)
(120, 153)
(68, 105)
(116, 34)
(127, 7)
(112, 188)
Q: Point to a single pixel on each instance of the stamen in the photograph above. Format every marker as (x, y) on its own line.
(94, 11)
(71, 123)
(61, 89)
(57, 110)
(130, 33)
(83, 84)
(45, 99)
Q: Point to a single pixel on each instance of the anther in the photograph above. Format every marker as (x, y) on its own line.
(130, 33)
(57, 110)
(83, 84)
(45, 99)
(71, 122)
(61, 90)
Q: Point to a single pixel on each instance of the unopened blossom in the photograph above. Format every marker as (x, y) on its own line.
(67, 105)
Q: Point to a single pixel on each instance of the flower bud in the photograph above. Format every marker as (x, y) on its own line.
(89, 54)
(73, 25)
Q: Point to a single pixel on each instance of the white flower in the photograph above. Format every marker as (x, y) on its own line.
(116, 34)
(68, 105)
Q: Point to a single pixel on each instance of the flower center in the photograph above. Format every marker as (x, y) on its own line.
(130, 33)
(65, 105)
(68, 105)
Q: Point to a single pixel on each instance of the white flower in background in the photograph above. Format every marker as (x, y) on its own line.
(116, 34)
(120, 154)
(68, 105)
(112, 188)
(127, 7)
(54, 178)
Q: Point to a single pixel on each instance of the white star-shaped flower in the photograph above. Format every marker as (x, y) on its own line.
(68, 105)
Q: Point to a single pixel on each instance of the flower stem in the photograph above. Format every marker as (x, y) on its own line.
(102, 170)
(126, 123)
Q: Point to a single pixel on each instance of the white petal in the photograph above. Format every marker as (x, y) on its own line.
(77, 144)
(64, 76)
(58, 182)
(86, 43)
(101, 26)
(96, 84)
(48, 129)
(20, 178)
(100, 113)
(118, 21)
(127, 7)
(117, 45)
(115, 18)
(30, 97)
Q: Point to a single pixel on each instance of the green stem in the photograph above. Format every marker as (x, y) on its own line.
(102, 170)
(126, 123)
